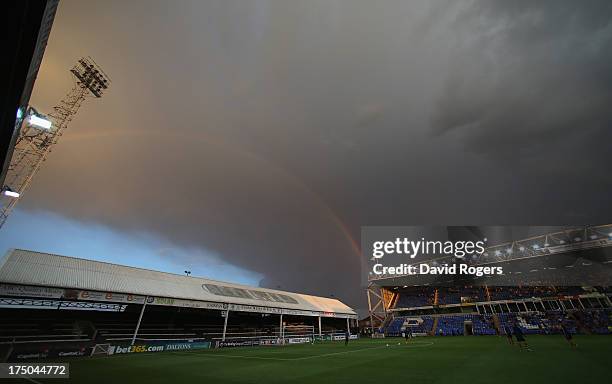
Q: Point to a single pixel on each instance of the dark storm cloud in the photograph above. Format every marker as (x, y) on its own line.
(530, 75)
(265, 131)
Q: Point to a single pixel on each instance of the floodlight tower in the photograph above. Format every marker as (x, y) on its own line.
(38, 133)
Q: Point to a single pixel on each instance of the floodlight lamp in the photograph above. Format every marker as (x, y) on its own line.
(40, 122)
(10, 193)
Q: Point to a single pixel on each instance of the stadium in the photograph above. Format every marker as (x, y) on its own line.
(249, 143)
(113, 322)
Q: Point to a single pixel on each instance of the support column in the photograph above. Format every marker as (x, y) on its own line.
(281, 330)
(225, 325)
(371, 313)
(144, 305)
(320, 326)
(348, 325)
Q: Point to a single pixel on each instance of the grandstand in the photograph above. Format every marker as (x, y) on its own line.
(550, 280)
(443, 311)
(55, 306)
(538, 310)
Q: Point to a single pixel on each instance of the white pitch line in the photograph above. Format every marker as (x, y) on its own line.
(230, 356)
(423, 344)
(357, 350)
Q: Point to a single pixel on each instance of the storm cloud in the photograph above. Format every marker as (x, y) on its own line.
(269, 132)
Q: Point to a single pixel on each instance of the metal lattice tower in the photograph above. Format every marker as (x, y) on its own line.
(33, 145)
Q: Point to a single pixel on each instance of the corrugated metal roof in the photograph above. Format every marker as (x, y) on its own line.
(44, 269)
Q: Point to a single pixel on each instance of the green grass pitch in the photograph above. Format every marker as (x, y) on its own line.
(476, 359)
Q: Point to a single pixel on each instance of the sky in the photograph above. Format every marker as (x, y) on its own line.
(250, 141)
